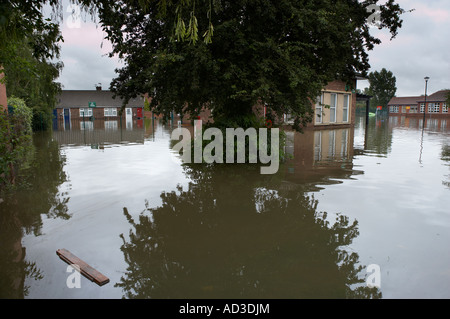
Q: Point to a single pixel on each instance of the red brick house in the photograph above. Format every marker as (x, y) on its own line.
(435, 105)
(77, 109)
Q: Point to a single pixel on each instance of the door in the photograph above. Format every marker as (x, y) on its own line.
(129, 118)
(67, 119)
(139, 112)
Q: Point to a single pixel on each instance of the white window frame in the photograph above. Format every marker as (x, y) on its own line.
(346, 108)
(319, 109)
(437, 107)
(83, 110)
(333, 107)
(394, 109)
(422, 107)
(110, 111)
(444, 108)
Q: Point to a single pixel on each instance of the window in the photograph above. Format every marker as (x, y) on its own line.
(85, 112)
(319, 109)
(413, 109)
(404, 108)
(333, 104)
(346, 107)
(393, 109)
(110, 111)
(422, 107)
(444, 108)
(437, 107)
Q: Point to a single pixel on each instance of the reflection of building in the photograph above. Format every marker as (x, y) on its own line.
(319, 155)
(82, 105)
(436, 105)
(98, 137)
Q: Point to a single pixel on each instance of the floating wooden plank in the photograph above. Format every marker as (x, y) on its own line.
(86, 270)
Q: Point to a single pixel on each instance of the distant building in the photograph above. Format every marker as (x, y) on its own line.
(436, 105)
(74, 106)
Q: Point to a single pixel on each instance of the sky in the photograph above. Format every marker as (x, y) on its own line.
(421, 48)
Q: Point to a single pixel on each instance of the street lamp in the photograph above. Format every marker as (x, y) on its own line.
(425, 105)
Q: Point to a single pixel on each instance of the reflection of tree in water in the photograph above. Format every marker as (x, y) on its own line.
(36, 194)
(379, 136)
(228, 237)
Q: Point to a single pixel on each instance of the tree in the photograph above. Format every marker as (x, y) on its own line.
(279, 53)
(28, 41)
(34, 80)
(382, 87)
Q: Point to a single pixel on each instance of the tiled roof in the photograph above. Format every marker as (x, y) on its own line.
(408, 100)
(439, 96)
(102, 98)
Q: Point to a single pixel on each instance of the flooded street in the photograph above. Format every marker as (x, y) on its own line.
(121, 200)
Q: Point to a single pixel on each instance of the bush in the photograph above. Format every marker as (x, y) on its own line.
(15, 139)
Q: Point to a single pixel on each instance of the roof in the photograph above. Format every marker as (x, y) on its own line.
(102, 98)
(439, 96)
(407, 100)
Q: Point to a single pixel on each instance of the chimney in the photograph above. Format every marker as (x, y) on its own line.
(98, 86)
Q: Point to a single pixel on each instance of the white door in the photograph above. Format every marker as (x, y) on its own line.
(129, 118)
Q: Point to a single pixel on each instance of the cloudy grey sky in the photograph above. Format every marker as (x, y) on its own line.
(422, 48)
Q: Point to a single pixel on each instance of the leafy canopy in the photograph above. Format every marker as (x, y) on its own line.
(279, 53)
(382, 87)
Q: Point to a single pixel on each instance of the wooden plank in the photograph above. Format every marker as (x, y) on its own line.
(86, 270)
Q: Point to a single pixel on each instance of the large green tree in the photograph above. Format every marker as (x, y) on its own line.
(34, 80)
(280, 53)
(382, 87)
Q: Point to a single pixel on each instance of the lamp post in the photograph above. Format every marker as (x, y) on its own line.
(425, 105)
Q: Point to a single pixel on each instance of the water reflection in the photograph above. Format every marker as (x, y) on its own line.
(100, 133)
(319, 157)
(233, 233)
(445, 156)
(37, 193)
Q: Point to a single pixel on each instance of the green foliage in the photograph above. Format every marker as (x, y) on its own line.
(28, 41)
(280, 53)
(15, 140)
(22, 19)
(34, 81)
(382, 88)
(22, 115)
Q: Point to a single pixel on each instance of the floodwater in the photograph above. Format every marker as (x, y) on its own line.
(358, 212)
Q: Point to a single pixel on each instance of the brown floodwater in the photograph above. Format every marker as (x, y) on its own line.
(121, 200)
